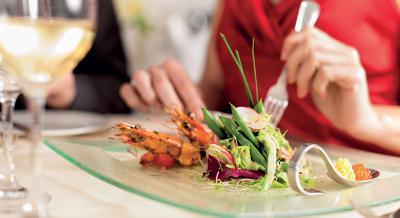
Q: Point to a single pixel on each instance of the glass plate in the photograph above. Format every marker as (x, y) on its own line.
(184, 188)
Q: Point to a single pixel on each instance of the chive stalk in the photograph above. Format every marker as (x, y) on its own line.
(254, 68)
(238, 63)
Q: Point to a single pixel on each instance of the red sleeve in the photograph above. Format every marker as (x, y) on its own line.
(398, 52)
(397, 2)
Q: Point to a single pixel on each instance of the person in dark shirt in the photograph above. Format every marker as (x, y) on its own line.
(94, 83)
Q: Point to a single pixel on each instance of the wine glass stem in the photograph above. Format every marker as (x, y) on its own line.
(36, 108)
(7, 176)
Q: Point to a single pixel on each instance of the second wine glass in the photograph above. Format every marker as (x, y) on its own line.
(9, 186)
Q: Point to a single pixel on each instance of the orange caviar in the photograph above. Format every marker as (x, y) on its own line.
(361, 172)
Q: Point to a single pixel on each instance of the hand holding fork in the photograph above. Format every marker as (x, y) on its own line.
(276, 101)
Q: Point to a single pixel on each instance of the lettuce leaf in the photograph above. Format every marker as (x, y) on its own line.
(278, 137)
(269, 149)
(226, 142)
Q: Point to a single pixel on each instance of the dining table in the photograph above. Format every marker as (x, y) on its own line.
(75, 193)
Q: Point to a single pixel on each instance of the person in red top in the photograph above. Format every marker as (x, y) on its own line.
(343, 75)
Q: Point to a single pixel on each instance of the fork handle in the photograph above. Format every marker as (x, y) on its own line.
(307, 16)
(283, 76)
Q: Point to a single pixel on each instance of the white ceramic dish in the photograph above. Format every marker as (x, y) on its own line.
(67, 123)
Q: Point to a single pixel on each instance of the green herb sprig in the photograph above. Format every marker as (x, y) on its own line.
(254, 68)
(236, 59)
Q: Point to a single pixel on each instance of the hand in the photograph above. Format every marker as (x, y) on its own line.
(332, 73)
(62, 92)
(165, 85)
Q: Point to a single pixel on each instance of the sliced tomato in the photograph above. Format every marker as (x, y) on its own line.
(163, 160)
(147, 158)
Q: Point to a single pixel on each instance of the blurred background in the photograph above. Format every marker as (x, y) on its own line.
(154, 29)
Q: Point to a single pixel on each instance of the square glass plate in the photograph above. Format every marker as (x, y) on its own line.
(181, 187)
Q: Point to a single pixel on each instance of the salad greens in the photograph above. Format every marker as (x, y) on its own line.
(269, 148)
(242, 158)
(248, 139)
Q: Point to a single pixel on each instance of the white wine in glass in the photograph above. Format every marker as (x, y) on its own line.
(40, 51)
(40, 40)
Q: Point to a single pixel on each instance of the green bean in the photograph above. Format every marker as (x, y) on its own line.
(264, 153)
(213, 124)
(257, 157)
(243, 127)
(255, 154)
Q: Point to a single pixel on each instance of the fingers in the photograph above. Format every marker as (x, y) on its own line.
(305, 76)
(291, 42)
(321, 82)
(345, 76)
(132, 99)
(62, 93)
(164, 88)
(301, 60)
(143, 85)
(312, 52)
(185, 88)
(167, 85)
(296, 58)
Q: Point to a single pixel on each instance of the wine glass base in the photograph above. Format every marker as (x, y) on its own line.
(19, 193)
(33, 205)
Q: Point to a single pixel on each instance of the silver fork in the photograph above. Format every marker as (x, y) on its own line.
(276, 101)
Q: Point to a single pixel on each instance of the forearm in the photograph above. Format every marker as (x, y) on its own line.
(211, 85)
(385, 133)
(211, 95)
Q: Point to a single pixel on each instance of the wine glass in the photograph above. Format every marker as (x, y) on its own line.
(40, 40)
(9, 91)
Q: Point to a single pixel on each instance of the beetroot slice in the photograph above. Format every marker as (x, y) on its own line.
(216, 169)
